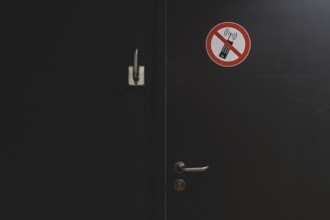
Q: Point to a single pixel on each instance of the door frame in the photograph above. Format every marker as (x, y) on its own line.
(158, 168)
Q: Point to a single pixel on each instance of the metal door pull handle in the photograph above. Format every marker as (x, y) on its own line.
(180, 168)
(136, 72)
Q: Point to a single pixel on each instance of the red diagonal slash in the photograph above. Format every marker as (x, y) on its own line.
(228, 44)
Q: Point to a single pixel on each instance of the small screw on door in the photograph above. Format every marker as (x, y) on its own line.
(179, 185)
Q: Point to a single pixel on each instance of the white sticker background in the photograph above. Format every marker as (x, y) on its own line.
(217, 44)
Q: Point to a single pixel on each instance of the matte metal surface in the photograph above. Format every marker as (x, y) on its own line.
(70, 110)
(263, 126)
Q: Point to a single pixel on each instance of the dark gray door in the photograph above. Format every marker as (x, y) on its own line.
(79, 141)
(262, 126)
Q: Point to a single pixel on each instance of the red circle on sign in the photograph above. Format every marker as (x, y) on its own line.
(214, 33)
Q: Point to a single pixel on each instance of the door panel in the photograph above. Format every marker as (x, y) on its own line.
(80, 138)
(262, 126)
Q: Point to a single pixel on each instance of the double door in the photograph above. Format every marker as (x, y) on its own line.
(85, 143)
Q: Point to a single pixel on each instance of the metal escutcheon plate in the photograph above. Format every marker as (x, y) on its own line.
(179, 185)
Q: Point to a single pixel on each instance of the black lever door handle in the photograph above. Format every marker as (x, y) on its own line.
(181, 168)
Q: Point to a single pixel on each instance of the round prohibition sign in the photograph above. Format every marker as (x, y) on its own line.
(228, 44)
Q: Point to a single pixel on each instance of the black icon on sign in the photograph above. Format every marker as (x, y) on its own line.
(231, 37)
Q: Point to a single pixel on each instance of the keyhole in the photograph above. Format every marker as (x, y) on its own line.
(179, 185)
